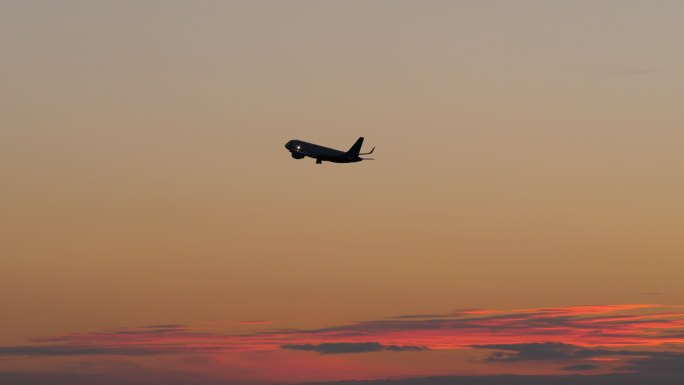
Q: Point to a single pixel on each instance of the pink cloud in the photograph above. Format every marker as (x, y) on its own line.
(609, 325)
(606, 327)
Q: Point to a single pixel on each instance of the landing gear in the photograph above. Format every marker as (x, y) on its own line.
(318, 161)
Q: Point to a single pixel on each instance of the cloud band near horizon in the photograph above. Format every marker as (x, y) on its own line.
(608, 326)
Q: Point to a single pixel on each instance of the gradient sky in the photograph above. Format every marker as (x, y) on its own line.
(529, 156)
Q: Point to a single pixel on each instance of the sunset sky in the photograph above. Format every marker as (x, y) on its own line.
(524, 214)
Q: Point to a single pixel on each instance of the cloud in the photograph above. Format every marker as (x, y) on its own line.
(29, 378)
(607, 379)
(54, 378)
(536, 334)
(642, 361)
(350, 347)
(580, 367)
(657, 362)
(590, 340)
(57, 378)
(66, 350)
(542, 351)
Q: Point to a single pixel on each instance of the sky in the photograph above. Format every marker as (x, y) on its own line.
(522, 216)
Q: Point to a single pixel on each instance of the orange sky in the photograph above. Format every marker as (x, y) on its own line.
(528, 155)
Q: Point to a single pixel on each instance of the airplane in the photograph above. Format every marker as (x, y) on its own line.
(300, 149)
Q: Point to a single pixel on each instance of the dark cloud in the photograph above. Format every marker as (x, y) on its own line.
(646, 362)
(542, 351)
(27, 378)
(351, 347)
(68, 350)
(580, 367)
(54, 378)
(150, 330)
(608, 379)
(657, 362)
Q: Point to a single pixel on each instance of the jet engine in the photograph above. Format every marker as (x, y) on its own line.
(297, 155)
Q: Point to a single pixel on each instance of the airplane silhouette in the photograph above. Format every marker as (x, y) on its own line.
(300, 149)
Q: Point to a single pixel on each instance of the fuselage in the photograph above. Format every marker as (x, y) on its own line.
(300, 149)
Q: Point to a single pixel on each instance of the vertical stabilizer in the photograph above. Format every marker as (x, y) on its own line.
(356, 148)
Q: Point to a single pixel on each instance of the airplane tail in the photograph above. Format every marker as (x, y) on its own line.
(356, 148)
